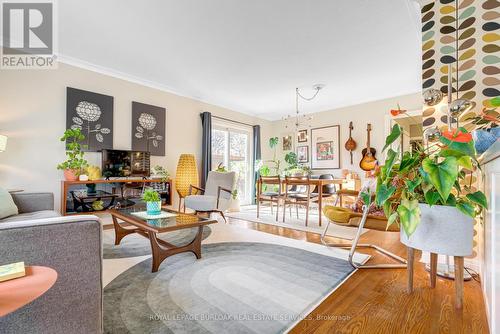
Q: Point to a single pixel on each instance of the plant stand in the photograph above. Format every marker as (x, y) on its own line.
(459, 274)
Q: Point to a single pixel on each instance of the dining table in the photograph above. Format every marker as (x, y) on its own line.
(318, 183)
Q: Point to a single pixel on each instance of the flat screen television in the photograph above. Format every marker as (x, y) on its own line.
(117, 163)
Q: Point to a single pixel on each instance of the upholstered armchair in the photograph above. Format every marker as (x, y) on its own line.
(216, 196)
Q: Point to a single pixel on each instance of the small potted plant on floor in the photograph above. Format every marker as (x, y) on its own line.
(153, 202)
(423, 190)
(75, 163)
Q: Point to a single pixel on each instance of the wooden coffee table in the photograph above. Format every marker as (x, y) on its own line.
(150, 229)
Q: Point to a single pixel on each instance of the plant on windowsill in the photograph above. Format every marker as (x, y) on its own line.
(429, 193)
(75, 163)
(153, 202)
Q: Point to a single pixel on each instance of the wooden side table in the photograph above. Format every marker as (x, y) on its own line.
(16, 293)
(459, 275)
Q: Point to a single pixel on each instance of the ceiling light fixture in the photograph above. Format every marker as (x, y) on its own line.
(301, 121)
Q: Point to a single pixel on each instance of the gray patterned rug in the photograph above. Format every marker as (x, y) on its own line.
(237, 287)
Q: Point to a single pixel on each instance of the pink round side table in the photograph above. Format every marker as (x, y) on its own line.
(18, 292)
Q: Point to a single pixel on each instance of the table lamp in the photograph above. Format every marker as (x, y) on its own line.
(186, 175)
(3, 143)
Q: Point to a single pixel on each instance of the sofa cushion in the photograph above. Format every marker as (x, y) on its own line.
(201, 202)
(31, 216)
(7, 205)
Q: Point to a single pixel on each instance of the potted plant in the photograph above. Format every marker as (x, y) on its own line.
(161, 173)
(424, 192)
(75, 164)
(153, 202)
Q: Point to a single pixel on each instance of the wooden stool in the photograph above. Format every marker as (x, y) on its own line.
(459, 275)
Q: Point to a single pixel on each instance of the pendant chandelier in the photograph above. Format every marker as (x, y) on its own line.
(297, 121)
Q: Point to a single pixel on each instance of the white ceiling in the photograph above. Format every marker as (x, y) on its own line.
(249, 55)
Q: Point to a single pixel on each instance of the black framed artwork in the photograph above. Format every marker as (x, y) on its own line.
(325, 147)
(148, 128)
(302, 154)
(302, 136)
(92, 113)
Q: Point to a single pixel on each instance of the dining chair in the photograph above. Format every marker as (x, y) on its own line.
(329, 190)
(297, 198)
(268, 196)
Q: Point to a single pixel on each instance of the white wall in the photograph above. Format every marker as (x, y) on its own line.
(362, 114)
(33, 116)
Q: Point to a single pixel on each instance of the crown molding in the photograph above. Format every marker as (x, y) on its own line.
(138, 80)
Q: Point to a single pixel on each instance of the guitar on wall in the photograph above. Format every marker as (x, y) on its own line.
(368, 162)
(350, 144)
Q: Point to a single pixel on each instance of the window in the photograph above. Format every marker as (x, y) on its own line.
(231, 147)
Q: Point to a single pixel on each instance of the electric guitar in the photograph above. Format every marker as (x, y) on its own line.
(368, 162)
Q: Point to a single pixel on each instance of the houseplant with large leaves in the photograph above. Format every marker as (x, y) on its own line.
(432, 186)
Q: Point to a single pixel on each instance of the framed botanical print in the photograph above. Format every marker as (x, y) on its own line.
(148, 128)
(287, 142)
(302, 154)
(325, 147)
(92, 113)
(302, 136)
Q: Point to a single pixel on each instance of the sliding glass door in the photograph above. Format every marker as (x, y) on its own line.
(231, 148)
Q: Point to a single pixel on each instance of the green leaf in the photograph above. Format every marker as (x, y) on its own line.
(411, 185)
(392, 218)
(273, 142)
(432, 197)
(391, 138)
(451, 201)
(408, 161)
(409, 215)
(467, 208)
(479, 198)
(465, 161)
(387, 208)
(389, 163)
(451, 153)
(366, 197)
(442, 174)
(384, 193)
(464, 148)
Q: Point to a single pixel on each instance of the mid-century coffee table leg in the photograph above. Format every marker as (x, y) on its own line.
(160, 252)
(121, 232)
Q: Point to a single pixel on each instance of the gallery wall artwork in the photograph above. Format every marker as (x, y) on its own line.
(325, 147)
(92, 113)
(302, 154)
(287, 142)
(148, 128)
(302, 136)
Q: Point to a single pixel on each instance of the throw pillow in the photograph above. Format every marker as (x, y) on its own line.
(7, 205)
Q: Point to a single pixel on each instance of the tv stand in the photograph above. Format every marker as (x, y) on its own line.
(108, 192)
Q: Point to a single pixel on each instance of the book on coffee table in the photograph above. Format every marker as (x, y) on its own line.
(11, 271)
(144, 215)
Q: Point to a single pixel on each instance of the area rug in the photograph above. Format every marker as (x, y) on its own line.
(246, 282)
(249, 213)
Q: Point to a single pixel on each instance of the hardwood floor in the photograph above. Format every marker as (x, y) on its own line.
(376, 301)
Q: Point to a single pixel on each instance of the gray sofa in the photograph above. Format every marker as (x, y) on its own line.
(71, 245)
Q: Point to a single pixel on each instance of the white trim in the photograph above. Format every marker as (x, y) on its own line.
(138, 80)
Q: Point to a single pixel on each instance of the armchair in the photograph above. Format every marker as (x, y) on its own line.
(215, 197)
(347, 217)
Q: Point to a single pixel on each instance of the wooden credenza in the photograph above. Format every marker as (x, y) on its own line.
(77, 197)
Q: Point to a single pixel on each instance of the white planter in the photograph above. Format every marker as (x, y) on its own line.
(442, 230)
(234, 206)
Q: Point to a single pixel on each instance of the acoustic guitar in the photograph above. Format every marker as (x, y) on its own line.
(369, 162)
(350, 144)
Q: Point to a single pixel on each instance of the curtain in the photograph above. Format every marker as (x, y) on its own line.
(256, 157)
(206, 146)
